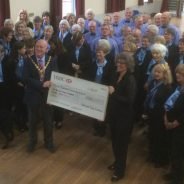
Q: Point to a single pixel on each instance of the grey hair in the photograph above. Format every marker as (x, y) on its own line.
(64, 21)
(91, 22)
(89, 11)
(127, 59)
(153, 28)
(75, 26)
(81, 19)
(8, 21)
(49, 27)
(158, 15)
(104, 45)
(31, 33)
(158, 47)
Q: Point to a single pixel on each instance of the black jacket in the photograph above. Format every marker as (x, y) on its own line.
(34, 91)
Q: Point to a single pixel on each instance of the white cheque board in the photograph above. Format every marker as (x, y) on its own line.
(78, 95)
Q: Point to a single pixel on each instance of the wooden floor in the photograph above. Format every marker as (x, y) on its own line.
(81, 158)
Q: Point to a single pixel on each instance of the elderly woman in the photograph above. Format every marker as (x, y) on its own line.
(28, 33)
(75, 28)
(101, 71)
(158, 52)
(48, 32)
(7, 40)
(152, 32)
(120, 112)
(174, 120)
(9, 24)
(81, 22)
(158, 91)
(80, 56)
(64, 34)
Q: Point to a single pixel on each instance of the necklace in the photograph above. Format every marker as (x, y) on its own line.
(41, 70)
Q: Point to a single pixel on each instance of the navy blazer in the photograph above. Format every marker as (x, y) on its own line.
(141, 70)
(108, 72)
(67, 41)
(6, 95)
(122, 100)
(35, 93)
(84, 60)
(177, 112)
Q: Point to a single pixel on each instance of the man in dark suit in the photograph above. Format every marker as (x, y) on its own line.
(37, 73)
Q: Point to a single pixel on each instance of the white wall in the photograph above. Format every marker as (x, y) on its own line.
(97, 5)
(147, 7)
(99, 8)
(33, 6)
(38, 6)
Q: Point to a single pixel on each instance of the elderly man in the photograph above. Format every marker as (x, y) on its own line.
(90, 15)
(165, 23)
(37, 73)
(105, 34)
(116, 24)
(92, 34)
(128, 19)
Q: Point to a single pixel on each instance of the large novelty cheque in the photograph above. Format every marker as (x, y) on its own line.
(78, 95)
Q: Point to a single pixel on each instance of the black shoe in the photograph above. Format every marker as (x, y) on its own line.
(50, 148)
(160, 164)
(31, 148)
(168, 177)
(116, 177)
(5, 146)
(111, 167)
(59, 124)
(175, 182)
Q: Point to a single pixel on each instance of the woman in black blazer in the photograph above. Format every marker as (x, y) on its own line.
(174, 120)
(6, 125)
(18, 59)
(120, 114)
(80, 57)
(158, 91)
(101, 71)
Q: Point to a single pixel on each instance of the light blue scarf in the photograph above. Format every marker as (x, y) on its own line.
(150, 98)
(99, 71)
(169, 104)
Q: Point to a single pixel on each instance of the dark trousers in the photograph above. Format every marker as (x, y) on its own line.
(20, 108)
(177, 154)
(120, 134)
(159, 143)
(58, 114)
(34, 113)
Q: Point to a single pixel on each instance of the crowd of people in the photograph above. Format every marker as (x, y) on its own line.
(139, 57)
